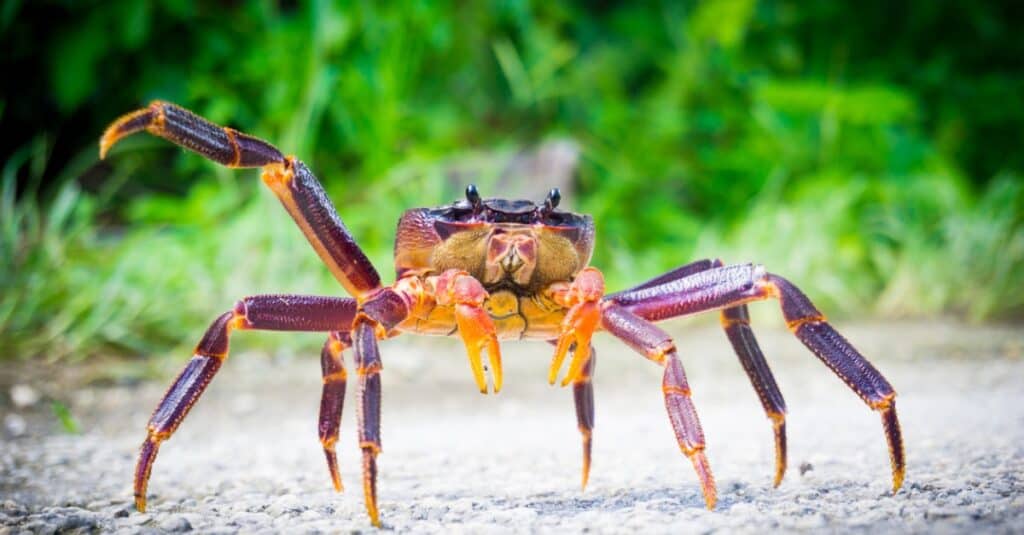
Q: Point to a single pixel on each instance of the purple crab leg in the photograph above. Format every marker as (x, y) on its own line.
(730, 286)
(294, 184)
(261, 312)
(583, 397)
(655, 344)
(332, 399)
(368, 367)
(736, 323)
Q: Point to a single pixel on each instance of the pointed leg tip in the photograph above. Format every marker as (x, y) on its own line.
(707, 480)
(780, 473)
(897, 481)
(140, 504)
(107, 141)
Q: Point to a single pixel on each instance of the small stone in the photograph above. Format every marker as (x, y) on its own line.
(24, 396)
(805, 467)
(12, 508)
(15, 425)
(176, 524)
(288, 503)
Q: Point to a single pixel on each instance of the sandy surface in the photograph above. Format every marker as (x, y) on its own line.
(247, 459)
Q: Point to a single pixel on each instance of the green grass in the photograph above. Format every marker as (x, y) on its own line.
(883, 182)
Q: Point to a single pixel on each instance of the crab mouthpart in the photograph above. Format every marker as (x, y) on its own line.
(511, 256)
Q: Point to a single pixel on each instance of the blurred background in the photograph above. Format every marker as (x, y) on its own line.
(868, 151)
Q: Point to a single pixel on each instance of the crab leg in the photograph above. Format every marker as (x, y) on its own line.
(262, 312)
(368, 366)
(655, 344)
(293, 183)
(332, 367)
(736, 323)
(583, 397)
(729, 286)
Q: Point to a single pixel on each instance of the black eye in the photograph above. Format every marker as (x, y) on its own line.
(554, 196)
(472, 195)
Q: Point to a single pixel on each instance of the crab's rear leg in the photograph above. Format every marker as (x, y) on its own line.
(655, 344)
(262, 312)
(332, 399)
(293, 183)
(736, 323)
(729, 286)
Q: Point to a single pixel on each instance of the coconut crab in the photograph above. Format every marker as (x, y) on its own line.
(486, 270)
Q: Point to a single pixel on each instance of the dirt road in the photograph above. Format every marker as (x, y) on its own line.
(248, 460)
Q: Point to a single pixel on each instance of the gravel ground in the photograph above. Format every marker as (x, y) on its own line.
(248, 460)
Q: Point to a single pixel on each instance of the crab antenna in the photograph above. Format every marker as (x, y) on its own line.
(472, 195)
(554, 196)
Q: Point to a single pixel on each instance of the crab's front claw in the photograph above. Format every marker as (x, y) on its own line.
(583, 297)
(475, 326)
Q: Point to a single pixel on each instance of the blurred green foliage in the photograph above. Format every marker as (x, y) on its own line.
(868, 151)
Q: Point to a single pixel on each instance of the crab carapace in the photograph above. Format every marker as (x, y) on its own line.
(487, 270)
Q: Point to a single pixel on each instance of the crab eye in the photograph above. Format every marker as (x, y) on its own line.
(554, 196)
(472, 195)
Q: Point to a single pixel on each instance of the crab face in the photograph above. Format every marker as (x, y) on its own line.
(516, 245)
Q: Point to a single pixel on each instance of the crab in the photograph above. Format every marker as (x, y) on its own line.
(487, 270)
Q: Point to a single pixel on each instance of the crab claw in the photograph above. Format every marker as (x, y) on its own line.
(583, 299)
(475, 326)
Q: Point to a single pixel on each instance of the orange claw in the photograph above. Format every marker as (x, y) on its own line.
(583, 299)
(475, 326)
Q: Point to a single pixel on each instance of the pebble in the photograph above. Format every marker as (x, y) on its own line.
(15, 425)
(289, 503)
(176, 524)
(24, 396)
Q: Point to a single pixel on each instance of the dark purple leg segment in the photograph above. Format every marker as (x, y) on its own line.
(698, 292)
(730, 286)
(293, 183)
(583, 397)
(657, 345)
(182, 127)
(368, 366)
(736, 323)
(262, 312)
(332, 399)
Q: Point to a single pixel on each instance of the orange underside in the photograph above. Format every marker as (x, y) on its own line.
(515, 318)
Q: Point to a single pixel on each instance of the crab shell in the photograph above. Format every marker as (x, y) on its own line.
(512, 245)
